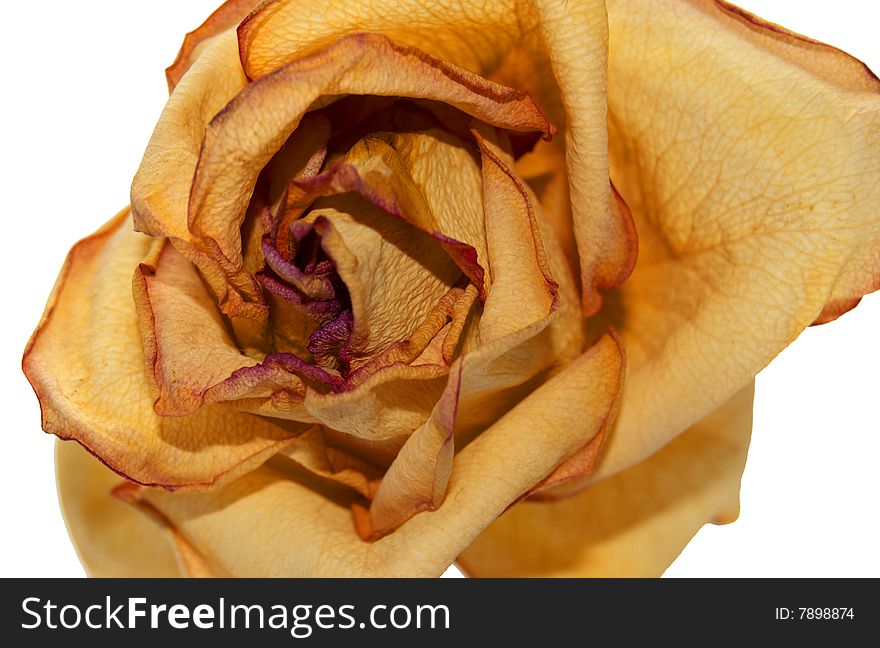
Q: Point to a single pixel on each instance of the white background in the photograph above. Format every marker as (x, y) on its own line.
(83, 87)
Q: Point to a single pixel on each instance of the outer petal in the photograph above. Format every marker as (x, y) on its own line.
(473, 35)
(86, 365)
(111, 540)
(161, 188)
(227, 16)
(274, 523)
(633, 524)
(751, 160)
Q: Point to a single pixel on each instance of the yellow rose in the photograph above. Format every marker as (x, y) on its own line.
(364, 302)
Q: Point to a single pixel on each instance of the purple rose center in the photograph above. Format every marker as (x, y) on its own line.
(304, 276)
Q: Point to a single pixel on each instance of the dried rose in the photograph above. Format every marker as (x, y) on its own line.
(372, 293)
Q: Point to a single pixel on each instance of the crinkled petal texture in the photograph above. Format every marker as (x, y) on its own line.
(749, 158)
(362, 327)
(228, 16)
(86, 364)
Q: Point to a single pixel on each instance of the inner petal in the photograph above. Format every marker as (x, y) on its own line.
(394, 274)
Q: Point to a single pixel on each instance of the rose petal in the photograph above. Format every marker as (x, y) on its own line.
(160, 190)
(161, 187)
(311, 451)
(528, 66)
(433, 342)
(379, 414)
(418, 478)
(531, 320)
(633, 524)
(110, 538)
(226, 17)
(86, 365)
(523, 288)
(190, 562)
(386, 400)
(577, 39)
(249, 131)
(188, 350)
(408, 176)
(394, 274)
(558, 484)
(557, 51)
(753, 173)
(475, 36)
(275, 522)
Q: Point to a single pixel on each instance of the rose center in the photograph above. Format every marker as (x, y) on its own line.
(299, 270)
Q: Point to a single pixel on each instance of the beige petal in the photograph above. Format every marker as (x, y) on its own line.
(531, 321)
(751, 160)
(312, 451)
(528, 66)
(523, 288)
(190, 354)
(161, 187)
(250, 130)
(110, 538)
(226, 17)
(433, 342)
(160, 190)
(277, 522)
(569, 477)
(417, 479)
(378, 415)
(633, 524)
(86, 365)
(395, 275)
(475, 36)
(576, 36)
(407, 174)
